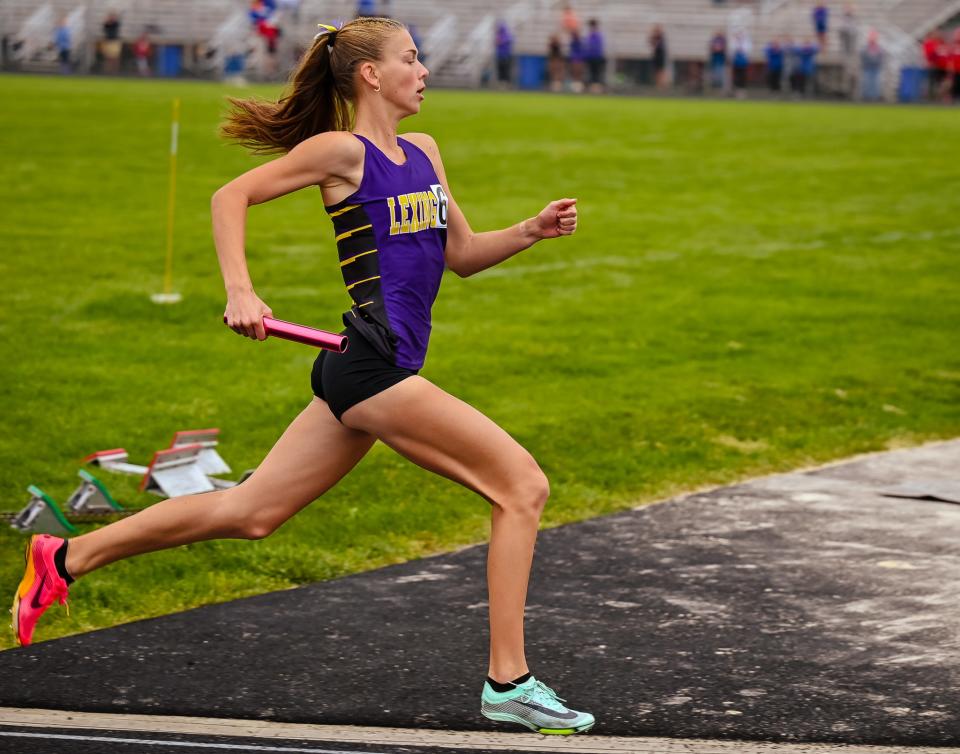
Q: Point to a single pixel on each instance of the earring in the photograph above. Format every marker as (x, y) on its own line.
(378, 87)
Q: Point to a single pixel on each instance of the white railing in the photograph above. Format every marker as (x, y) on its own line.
(772, 6)
(948, 12)
(231, 38)
(77, 24)
(440, 41)
(35, 36)
(472, 57)
(900, 50)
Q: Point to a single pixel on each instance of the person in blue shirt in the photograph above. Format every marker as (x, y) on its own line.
(718, 60)
(575, 57)
(775, 57)
(62, 40)
(821, 20)
(504, 42)
(594, 53)
(872, 58)
(805, 65)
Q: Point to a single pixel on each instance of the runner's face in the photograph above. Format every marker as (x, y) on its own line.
(403, 76)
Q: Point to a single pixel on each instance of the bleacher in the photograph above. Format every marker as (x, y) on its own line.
(457, 35)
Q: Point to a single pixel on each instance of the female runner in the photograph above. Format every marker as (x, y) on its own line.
(397, 226)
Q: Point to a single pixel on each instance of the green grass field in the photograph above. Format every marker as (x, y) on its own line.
(753, 288)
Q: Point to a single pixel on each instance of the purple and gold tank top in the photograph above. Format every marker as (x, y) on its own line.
(390, 236)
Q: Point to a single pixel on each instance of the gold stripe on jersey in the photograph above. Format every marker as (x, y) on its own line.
(344, 210)
(351, 232)
(355, 257)
(367, 280)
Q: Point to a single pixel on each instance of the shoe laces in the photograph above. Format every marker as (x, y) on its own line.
(544, 693)
(61, 595)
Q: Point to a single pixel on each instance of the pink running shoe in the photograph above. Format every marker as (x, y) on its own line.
(41, 587)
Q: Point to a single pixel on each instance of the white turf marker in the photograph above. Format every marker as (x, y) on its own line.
(168, 296)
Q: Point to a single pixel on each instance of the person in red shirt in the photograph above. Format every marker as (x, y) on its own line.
(937, 52)
(955, 65)
(142, 50)
(270, 32)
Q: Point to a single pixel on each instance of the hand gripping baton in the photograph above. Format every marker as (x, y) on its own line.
(302, 334)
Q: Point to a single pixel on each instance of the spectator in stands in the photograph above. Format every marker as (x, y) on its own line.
(805, 56)
(504, 44)
(741, 62)
(658, 46)
(555, 64)
(62, 40)
(569, 20)
(366, 8)
(718, 60)
(795, 67)
(259, 11)
(871, 66)
(849, 30)
(775, 54)
(142, 50)
(821, 22)
(271, 33)
(596, 60)
(111, 46)
(577, 61)
(955, 65)
(937, 52)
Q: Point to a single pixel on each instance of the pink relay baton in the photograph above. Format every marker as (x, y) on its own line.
(307, 335)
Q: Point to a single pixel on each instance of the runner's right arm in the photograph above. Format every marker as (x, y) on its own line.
(330, 160)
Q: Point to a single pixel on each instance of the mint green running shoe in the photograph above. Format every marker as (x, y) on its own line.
(536, 706)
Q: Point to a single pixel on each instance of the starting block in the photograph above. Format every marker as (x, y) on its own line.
(115, 460)
(210, 460)
(91, 497)
(185, 468)
(225, 484)
(176, 471)
(42, 515)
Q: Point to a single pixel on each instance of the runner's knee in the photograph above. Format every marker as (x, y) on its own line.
(248, 518)
(256, 529)
(528, 492)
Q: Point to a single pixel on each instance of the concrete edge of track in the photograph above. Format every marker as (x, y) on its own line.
(462, 740)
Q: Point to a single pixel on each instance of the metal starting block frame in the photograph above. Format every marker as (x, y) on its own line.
(91, 497)
(210, 460)
(176, 471)
(115, 460)
(41, 515)
(185, 468)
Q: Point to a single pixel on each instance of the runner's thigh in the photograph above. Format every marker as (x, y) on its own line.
(311, 456)
(445, 435)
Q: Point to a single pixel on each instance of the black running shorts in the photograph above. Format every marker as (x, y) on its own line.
(345, 379)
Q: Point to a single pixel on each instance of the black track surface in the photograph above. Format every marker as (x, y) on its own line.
(803, 607)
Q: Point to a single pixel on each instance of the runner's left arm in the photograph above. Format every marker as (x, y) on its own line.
(467, 252)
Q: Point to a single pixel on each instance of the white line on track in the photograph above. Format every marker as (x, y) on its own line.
(157, 742)
(462, 741)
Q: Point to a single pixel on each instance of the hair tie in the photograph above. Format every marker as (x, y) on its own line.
(330, 32)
